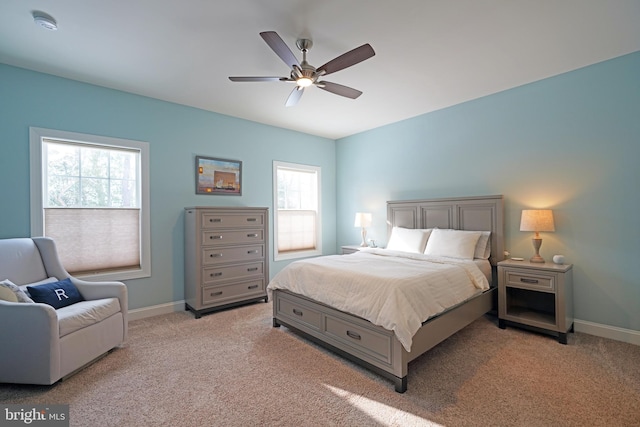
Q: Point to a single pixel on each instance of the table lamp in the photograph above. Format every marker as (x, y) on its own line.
(537, 220)
(363, 220)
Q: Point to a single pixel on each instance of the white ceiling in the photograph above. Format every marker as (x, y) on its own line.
(430, 54)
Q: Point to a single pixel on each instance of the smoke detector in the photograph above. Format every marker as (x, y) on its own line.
(45, 20)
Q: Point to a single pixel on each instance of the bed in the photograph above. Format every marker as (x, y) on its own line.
(380, 344)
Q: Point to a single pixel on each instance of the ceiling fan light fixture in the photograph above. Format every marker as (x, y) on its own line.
(304, 82)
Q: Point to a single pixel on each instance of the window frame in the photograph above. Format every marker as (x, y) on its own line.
(277, 256)
(36, 137)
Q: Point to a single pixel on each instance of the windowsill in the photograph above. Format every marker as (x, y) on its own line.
(296, 255)
(116, 276)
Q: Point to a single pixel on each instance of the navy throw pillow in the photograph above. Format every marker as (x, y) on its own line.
(57, 294)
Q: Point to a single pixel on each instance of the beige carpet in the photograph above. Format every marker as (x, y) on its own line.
(233, 368)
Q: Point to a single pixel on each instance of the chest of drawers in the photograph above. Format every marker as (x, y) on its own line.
(226, 260)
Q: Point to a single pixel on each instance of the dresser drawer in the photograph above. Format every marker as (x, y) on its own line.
(232, 292)
(224, 273)
(300, 313)
(212, 256)
(527, 280)
(232, 220)
(370, 342)
(231, 237)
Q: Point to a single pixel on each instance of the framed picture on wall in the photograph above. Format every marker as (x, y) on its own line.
(218, 176)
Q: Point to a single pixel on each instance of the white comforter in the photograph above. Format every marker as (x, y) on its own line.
(395, 290)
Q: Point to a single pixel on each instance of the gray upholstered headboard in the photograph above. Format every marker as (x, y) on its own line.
(483, 213)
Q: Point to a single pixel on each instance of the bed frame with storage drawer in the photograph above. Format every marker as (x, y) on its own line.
(377, 348)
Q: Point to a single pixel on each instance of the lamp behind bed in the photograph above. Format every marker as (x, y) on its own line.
(363, 220)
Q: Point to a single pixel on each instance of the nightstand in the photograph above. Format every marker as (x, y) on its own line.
(349, 249)
(539, 295)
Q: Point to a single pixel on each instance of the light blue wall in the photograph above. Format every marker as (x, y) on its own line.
(175, 134)
(570, 143)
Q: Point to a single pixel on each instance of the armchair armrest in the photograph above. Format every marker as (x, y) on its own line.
(98, 290)
(30, 335)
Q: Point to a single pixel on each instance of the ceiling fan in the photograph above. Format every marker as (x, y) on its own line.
(303, 74)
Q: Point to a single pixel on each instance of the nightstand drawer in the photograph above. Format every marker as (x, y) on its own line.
(530, 281)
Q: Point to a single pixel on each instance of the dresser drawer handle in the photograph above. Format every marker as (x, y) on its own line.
(255, 251)
(354, 335)
(251, 219)
(252, 235)
(523, 280)
(215, 255)
(215, 220)
(252, 269)
(297, 312)
(216, 274)
(215, 237)
(252, 287)
(215, 294)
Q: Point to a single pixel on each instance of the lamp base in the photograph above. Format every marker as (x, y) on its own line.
(364, 238)
(536, 245)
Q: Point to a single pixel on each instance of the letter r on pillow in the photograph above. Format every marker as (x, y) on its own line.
(60, 293)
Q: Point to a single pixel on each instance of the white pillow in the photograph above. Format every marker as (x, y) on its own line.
(19, 295)
(408, 239)
(452, 243)
(483, 247)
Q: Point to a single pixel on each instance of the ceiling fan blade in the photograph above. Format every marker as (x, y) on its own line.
(339, 89)
(348, 59)
(257, 79)
(295, 96)
(280, 48)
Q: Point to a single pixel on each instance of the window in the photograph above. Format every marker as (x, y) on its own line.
(297, 211)
(91, 195)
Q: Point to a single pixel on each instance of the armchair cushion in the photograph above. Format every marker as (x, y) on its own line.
(9, 289)
(57, 294)
(85, 313)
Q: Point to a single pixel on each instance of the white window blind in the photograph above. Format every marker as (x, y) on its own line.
(95, 240)
(296, 230)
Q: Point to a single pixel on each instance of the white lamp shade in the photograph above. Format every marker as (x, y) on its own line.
(363, 220)
(537, 220)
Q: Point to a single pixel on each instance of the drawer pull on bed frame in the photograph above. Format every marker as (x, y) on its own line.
(297, 312)
(354, 335)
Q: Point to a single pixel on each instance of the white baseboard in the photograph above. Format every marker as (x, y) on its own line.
(612, 332)
(606, 331)
(156, 310)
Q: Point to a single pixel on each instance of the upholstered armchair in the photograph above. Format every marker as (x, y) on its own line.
(41, 344)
